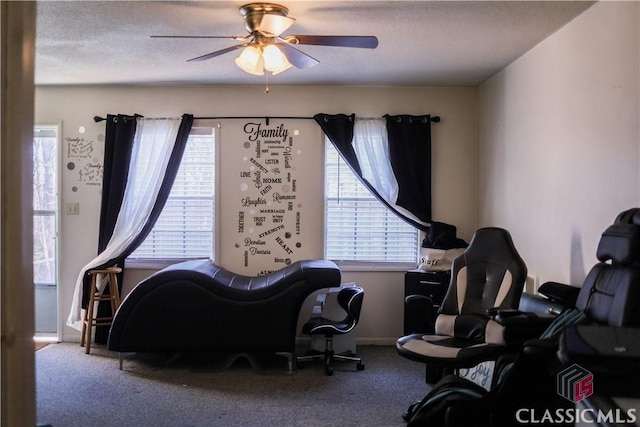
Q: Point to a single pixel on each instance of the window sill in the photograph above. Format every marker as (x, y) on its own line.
(375, 266)
(356, 266)
(152, 264)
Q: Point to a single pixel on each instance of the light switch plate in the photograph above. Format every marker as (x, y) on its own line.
(73, 208)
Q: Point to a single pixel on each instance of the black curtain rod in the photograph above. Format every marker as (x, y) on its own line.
(99, 119)
(435, 119)
(266, 118)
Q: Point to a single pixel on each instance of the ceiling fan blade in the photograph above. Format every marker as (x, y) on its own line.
(366, 42)
(218, 53)
(296, 57)
(203, 37)
(274, 25)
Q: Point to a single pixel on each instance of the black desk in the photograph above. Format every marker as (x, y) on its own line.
(433, 284)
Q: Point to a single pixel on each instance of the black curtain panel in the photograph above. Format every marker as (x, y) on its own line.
(118, 144)
(119, 132)
(339, 130)
(104, 308)
(410, 152)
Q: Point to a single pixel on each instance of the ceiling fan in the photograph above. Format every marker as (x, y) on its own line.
(265, 48)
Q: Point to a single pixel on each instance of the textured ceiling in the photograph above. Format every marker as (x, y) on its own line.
(432, 43)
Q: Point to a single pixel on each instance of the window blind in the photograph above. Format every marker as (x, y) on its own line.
(185, 227)
(359, 227)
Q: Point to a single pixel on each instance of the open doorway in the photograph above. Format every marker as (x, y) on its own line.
(45, 229)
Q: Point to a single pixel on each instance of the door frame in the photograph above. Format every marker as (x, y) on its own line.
(17, 355)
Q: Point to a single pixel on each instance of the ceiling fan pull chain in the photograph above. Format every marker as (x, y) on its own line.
(266, 82)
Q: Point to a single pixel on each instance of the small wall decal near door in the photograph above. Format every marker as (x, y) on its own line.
(82, 162)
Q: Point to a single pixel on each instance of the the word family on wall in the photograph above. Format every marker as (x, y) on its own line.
(267, 174)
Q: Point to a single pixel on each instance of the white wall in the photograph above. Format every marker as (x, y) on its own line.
(559, 141)
(454, 145)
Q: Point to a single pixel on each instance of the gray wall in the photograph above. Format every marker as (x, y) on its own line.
(559, 141)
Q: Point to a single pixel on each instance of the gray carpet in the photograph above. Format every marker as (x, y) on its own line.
(75, 389)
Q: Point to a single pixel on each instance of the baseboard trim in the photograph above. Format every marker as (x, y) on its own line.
(301, 340)
(376, 341)
(304, 340)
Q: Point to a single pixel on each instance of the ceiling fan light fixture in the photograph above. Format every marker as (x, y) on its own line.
(267, 49)
(274, 25)
(251, 61)
(274, 60)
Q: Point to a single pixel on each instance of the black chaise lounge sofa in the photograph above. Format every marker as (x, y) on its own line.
(197, 306)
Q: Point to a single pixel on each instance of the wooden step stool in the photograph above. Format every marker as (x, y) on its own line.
(89, 321)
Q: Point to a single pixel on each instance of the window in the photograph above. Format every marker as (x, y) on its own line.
(358, 226)
(45, 227)
(45, 201)
(184, 229)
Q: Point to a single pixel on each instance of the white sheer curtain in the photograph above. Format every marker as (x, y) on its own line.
(143, 185)
(371, 144)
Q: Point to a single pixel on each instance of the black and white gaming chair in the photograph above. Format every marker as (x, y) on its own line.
(490, 274)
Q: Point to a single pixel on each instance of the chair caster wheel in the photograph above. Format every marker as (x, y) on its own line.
(360, 367)
(407, 415)
(328, 371)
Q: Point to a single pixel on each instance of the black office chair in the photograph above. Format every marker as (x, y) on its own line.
(350, 300)
(490, 274)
